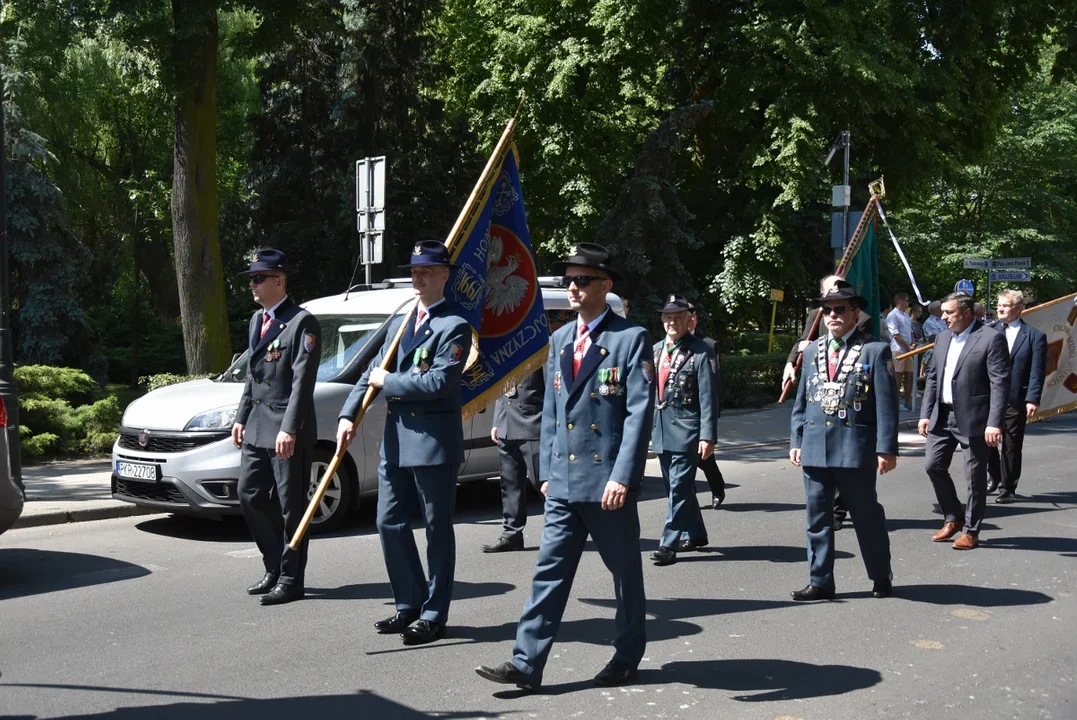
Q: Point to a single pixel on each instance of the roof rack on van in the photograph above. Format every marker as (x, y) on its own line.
(385, 284)
(549, 281)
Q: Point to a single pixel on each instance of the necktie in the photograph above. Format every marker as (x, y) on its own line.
(835, 353)
(267, 320)
(577, 351)
(419, 320)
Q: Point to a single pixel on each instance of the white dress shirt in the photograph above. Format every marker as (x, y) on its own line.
(590, 329)
(953, 354)
(1011, 332)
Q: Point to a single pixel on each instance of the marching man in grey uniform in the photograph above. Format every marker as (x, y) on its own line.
(843, 432)
(422, 447)
(684, 429)
(517, 422)
(275, 426)
(596, 422)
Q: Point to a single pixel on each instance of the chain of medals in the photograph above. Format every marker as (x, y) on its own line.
(676, 360)
(832, 392)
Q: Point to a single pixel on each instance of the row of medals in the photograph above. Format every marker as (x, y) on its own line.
(830, 396)
(609, 380)
(418, 361)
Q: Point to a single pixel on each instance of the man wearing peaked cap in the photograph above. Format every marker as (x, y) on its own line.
(684, 428)
(593, 449)
(422, 447)
(275, 426)
(843, 431)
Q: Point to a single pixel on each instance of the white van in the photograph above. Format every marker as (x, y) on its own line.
(175, 452)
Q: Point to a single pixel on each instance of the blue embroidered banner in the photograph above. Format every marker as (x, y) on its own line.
(495, 288)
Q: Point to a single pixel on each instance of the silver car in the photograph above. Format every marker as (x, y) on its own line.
(175, 453)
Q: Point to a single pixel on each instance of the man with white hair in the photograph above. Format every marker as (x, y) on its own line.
(934, 323)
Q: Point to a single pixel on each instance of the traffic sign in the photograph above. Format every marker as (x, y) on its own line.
(777, 295)
(976, 263)
(372, 250)
(1011, 276)
(965, 286)
(370, 184)
(1010, 263)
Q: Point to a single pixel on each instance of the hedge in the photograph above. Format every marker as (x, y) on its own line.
(58, 414)
(752, 380)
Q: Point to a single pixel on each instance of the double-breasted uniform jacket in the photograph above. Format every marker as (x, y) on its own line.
(848, 422)
(518, 413)
(596, 427)
(283, 368)
(687, 411)
(423, 425)
(981, 380)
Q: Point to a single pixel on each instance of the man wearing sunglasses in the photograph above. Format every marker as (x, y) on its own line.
(844, 430)
(596, 422)
(276, 427)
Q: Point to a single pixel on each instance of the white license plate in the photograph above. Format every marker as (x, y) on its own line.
(136, 471)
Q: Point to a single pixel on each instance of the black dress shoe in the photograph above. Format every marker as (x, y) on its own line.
(506, 543)
(811, 593)
(282, 593)
(882, 589)
(689, 544)
(506, 674)
(615, 673)
(422, 632)
(264, 585)
(397, 623)
(1005, 498)
(663, 556)
(992, 486)
(717, 500)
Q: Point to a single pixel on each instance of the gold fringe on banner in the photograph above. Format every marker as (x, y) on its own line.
(514, 378)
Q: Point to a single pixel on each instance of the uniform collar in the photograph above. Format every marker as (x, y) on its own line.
(272, 312)
(593, 324)
(428, 309)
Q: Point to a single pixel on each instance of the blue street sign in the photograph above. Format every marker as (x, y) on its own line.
(965, 286)
(1011, 276)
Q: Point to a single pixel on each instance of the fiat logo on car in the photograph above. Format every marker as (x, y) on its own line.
(143, 438)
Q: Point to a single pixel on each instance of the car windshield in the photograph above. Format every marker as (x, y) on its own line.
(342, 337)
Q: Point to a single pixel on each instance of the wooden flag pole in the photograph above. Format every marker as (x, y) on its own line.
(368, 397)
(843, 268)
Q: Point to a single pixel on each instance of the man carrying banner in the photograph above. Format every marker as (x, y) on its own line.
(596, 423)
(684, 429)
(1028, 365)
(422, 447)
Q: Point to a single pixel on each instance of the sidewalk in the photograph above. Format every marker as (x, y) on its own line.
(78, 490)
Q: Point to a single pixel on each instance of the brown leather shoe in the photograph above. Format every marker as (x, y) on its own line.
(966, 542)
(948, 531)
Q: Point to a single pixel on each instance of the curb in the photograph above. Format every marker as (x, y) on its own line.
(62, 517)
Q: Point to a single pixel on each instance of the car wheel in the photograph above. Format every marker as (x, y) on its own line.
(337, 499)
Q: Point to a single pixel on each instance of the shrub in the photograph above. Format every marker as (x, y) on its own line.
(58, 414)
(160, 380)
(44, 381)
(99, 423)
(751, 380)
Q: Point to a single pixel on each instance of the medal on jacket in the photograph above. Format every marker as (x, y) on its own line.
(418, 361)
(557, 381)
(273, 352)
(832, 392)
(511, 392)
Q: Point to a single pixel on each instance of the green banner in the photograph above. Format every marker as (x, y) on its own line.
(864, 275)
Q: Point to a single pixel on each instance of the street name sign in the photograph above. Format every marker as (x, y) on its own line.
(1010, 263)
(1011, 276)
(976, 263)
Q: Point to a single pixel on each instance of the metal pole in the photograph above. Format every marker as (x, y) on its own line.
(9, 391)
(845, 210)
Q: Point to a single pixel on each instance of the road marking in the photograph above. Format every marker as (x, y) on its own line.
(251, 553)
(970, 614)
(929, 644)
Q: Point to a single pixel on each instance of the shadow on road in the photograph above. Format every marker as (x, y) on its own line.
(461, 590)
(679, 608)
(25, 572)
(1066, 546)
(964, 595)
(363, 703)
(755, 680)
(929, 525)
(738, 507)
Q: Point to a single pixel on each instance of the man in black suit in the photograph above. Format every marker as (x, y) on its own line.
(1028, 366)
(964, 403)
(276, 427)
(715, 480)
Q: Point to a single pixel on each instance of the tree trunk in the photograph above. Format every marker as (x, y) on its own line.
(194, 188)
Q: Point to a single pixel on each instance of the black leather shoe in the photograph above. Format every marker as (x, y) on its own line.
(506, 543)
(663, 556)
(397, 623)
(615, 673)
(992, 486)
(264, 585)
(882, 589)
(717, 500)
(282, 593)
(811, 593)
(506, 674)
(688, 544)
(422, 632)
(1005, 498)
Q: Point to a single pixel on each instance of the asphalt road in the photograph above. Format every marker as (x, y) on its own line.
(141, 618)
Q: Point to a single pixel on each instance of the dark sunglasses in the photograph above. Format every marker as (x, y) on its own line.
(259, 279)
(839, 309)
(581, 281)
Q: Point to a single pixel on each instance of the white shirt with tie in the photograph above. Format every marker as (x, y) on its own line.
(953, 354)
(590, 329)
(1011, 332)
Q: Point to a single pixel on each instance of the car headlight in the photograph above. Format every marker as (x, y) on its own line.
(219, 419)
